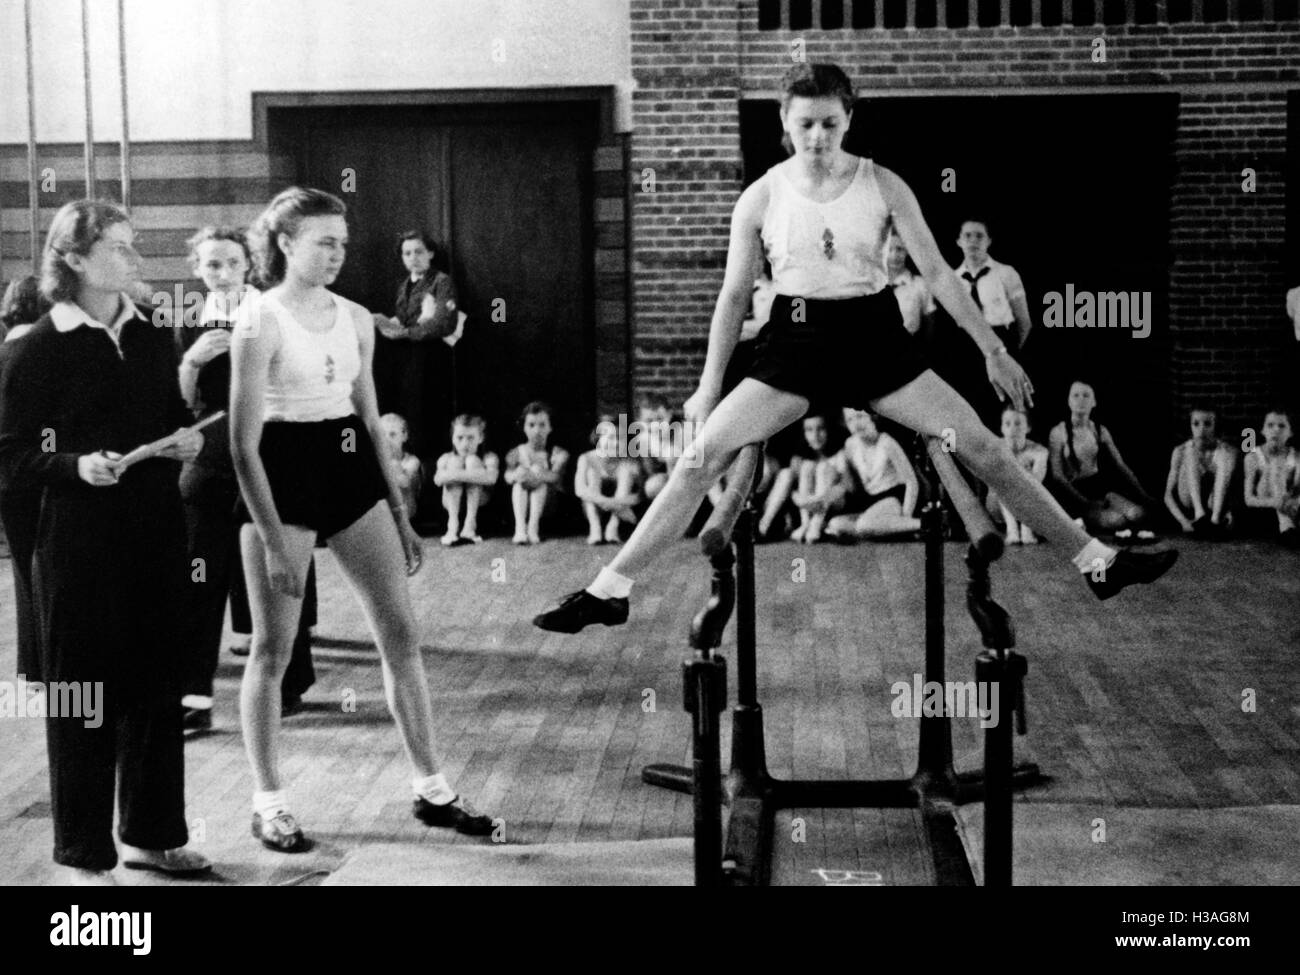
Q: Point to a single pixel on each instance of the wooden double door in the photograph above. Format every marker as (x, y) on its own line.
(507, 189)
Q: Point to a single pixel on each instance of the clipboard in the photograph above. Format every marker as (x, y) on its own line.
(146, 451)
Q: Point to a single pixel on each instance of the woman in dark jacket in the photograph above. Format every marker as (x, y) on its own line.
(210, 490)
(92, 381)
(413, 371)
(23, 304)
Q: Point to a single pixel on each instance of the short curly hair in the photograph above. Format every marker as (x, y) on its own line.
(75, 229)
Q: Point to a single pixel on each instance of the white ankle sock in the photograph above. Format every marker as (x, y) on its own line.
(1086, 560)
(200, 702)
(268, 805)
(434, 788)
(610, 585)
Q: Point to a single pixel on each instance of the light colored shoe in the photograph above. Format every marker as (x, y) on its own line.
(178, 862)
(1013, 538)
(1027, 536)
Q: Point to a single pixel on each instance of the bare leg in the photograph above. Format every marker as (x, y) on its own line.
(474, 495)
(807, 480)
(1225, 463)
(593, 524)
(536, 503)
(624, 493)
(930, 406)
(885, 518)
(370, 554)
(275, 626)
(451, 497)
(1189, 485)
(1012, 525)
(1130, 512)
(752, 412)
(519, 502)
(823, 474)
(654, 484)
(782, 484)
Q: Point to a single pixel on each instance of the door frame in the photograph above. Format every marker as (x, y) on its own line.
(612, 294)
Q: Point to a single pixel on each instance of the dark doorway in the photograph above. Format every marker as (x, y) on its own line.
(507, 189)
(1076, 188)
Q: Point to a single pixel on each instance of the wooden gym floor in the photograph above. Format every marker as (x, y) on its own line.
(1137, 702)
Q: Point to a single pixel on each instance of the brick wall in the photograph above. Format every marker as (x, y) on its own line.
(694, 59)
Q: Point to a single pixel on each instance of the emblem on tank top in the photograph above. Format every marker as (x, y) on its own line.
(329, 368)
(828, 244)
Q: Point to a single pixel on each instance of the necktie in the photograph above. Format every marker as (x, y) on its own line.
(974, 284)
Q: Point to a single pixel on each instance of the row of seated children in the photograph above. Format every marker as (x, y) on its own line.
(865, 488)
(846, 485)
(467, 473)
(1089, 476)
(1198, 489)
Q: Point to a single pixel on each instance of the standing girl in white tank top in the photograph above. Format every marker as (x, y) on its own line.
(308, 449)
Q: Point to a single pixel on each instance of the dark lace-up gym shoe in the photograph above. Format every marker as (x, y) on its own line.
(1131, 566)
(581, 609)
(280, 833)
(457, 814)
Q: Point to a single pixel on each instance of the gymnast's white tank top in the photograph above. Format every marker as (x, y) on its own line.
(312, 373)
(826, 250)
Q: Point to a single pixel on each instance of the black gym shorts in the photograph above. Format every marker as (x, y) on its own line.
(842, 353)
(324, 475)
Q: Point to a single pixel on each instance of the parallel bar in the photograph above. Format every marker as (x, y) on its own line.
(90, 119)
(33, 199)
(126, 130)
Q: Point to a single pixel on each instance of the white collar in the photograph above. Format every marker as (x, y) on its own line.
(68, 315)
(965, 268)
(220, 309)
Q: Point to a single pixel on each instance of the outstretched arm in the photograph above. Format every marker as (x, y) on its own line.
(744, 258)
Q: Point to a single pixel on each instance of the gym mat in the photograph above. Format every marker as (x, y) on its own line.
(642, 863)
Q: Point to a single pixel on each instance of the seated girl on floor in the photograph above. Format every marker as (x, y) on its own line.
(465, 474)
(1273, 476)
(608, 484)
(532, 469)
(821, 486)
(1033, 458)
(886, 503)
(1088, 473)
(1200, 469)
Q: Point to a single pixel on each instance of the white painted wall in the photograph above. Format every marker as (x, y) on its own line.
(192, 65)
